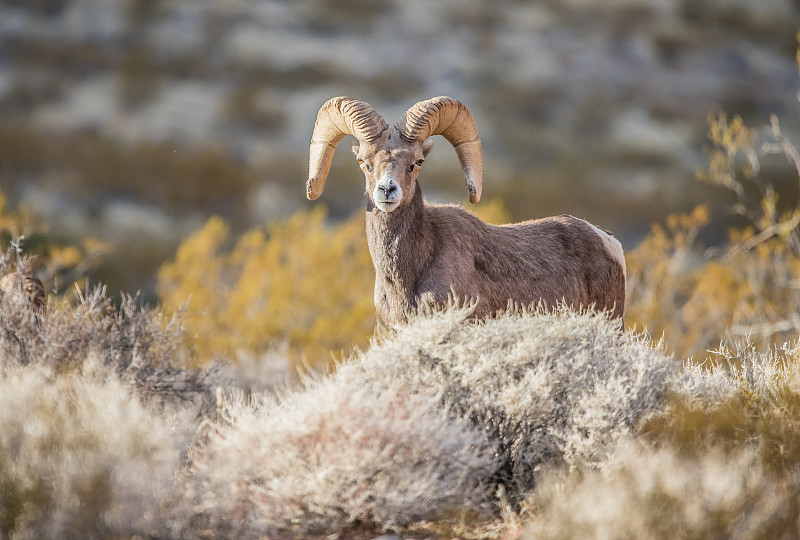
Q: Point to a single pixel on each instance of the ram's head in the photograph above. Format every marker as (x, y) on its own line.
(391, 156)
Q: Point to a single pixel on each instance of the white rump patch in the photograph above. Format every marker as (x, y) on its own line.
(613, 246)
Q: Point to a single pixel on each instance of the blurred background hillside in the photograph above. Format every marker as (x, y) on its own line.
(135, 121)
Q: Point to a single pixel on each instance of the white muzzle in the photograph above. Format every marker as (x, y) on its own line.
(387, 194)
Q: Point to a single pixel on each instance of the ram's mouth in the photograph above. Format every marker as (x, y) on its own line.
(386, 205)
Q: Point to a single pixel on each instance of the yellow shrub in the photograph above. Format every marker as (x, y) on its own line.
(660, 274)
(299, 281)
(749, 287)
(695, 300)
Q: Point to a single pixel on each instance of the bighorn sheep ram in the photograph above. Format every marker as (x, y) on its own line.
(426, 254)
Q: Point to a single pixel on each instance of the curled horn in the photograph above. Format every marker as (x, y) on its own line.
(338, 117)
(451, 119)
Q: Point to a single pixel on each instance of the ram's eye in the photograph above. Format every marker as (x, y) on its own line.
(418, 163)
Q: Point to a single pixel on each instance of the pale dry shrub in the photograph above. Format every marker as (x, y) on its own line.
(79, 457)
(753, 405)
(268, 372)
(94, 417)
(720, 460)
(738, 368)
(424, 426)
(662, 494)
(139, 344)
(338, 454)
(549, 389)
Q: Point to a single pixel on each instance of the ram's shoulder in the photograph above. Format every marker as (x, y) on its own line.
(453, 217)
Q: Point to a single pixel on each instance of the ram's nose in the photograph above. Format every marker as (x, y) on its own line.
(387, 194)
(387, 189)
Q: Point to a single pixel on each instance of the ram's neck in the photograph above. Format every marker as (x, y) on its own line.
(401, 245)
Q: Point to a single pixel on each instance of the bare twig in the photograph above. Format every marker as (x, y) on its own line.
(782, 145)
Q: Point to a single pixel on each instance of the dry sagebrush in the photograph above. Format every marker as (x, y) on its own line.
(93, 417)
(424, 426)
(549, 389)
(749, 401)
(96, 414)
(661, 494)
(721, 460)
(418, 434)
(139, 344)
(332, 456)
(79, 457)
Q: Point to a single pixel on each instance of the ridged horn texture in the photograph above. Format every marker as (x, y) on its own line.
(452, 120)
(338, 117)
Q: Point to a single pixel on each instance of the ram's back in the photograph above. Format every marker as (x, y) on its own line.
(549, 261)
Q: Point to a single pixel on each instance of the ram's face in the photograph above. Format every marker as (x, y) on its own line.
(391, 166)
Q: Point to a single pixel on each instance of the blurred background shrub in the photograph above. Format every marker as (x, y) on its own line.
(135, 121)
(307, 282)
(747, 286)
(298, 281)
(310, 284)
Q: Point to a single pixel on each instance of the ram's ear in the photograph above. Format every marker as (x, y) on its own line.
(355, 148)
(427, 146)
